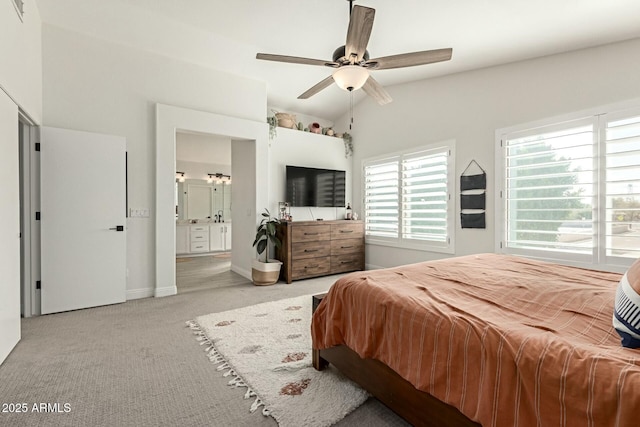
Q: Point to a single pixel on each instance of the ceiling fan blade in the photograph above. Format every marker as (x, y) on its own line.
(317, 88)
(295, 60)
(376, 91)
(410, 59)
(359, 31)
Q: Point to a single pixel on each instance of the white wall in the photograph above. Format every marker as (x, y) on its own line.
(470, 106)
(195, 147)
(9, 227)
(20, 86)
(104, 87)
(297, 148)
(21, 53)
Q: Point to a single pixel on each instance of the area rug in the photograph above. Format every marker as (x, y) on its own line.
(267, 349)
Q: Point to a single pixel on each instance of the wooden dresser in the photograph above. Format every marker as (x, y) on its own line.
(320, 248)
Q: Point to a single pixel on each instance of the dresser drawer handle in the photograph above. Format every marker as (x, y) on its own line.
(346, 231)
(345, 262)
(310, 234)
(311, 250)
(345, 247)
(311, 266)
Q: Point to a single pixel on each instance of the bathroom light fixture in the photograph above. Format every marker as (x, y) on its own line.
(219, 177)
(181, 177)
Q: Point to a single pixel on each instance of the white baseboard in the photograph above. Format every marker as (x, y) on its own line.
(139, 293)
(372, 267)
(241, 271)
(166, 291)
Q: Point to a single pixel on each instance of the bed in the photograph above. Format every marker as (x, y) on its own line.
(486, 339)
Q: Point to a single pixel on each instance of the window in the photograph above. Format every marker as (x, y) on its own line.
(571, 191)
(407, 198)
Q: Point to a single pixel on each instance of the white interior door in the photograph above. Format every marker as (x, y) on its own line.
(83, 220)
(9, 227)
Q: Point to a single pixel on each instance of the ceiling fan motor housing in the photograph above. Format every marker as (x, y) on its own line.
(339, 56)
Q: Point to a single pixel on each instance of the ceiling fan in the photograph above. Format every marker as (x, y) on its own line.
(352, 63)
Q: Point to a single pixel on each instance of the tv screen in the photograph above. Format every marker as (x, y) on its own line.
(315, 187)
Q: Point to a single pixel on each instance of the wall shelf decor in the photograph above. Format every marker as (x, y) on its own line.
(473, 189)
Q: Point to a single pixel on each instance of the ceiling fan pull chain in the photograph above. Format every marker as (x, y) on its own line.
(351, 108)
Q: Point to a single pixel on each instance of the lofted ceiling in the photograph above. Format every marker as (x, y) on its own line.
(226, 35)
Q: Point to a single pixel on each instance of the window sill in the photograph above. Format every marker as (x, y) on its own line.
(425, 247)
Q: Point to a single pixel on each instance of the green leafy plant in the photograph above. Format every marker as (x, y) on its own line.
(348, 144)
(266, 233)
(273, 124)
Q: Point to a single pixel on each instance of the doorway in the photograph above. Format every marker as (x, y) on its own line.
(29, 175)
(250, 152)
(203, 206)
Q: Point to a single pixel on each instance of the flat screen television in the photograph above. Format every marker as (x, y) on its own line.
(315, 187)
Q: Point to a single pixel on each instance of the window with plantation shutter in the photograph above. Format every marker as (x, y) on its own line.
(381, 198)
(571, 190)
(407, 198)
(622, 187)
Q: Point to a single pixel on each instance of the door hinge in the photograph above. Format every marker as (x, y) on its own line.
(37, 146)
(38, 284)
(500, 245)
(37, 216)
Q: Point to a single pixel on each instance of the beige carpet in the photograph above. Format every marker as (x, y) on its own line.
(135, 364)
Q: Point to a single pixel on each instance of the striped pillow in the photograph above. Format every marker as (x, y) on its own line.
(626, 314)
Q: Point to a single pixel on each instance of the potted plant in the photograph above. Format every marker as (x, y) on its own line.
(266, 272)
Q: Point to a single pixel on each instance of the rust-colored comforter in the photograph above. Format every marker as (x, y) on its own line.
(508, 341)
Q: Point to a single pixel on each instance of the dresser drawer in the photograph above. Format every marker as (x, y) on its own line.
(199, 236)
(347, 230)
(199, 246)
(195, 228)
(349, 262)
(315, 249)
(346, 246)
(306, 233)
(311, 267)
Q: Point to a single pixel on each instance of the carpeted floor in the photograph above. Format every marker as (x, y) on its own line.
(136, 364)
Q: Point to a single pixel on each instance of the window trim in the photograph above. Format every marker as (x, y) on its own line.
(599, 116)
(447, 247)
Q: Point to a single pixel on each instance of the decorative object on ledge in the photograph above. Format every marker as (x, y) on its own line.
(287, 120)
(473, 197)
(315, 127)
(348, 144)
(273, 123)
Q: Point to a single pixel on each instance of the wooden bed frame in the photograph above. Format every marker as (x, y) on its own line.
(417, 407)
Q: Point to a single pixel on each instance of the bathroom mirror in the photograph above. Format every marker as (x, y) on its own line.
(199, 200)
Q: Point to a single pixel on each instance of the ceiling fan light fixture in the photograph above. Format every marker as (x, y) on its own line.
(350, 77)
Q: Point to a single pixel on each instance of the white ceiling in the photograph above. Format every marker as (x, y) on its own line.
(226, 35)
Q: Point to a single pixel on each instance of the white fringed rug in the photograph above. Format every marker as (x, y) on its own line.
(267, 349)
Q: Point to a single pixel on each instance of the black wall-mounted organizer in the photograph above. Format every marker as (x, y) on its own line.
(473, 197)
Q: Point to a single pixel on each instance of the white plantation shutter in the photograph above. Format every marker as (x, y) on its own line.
(407, 198)
(571, 190)
(381, 208)
(549, 189)
(622, 188)
(425, 195)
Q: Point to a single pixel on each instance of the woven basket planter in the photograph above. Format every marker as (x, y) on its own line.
(286, 120)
